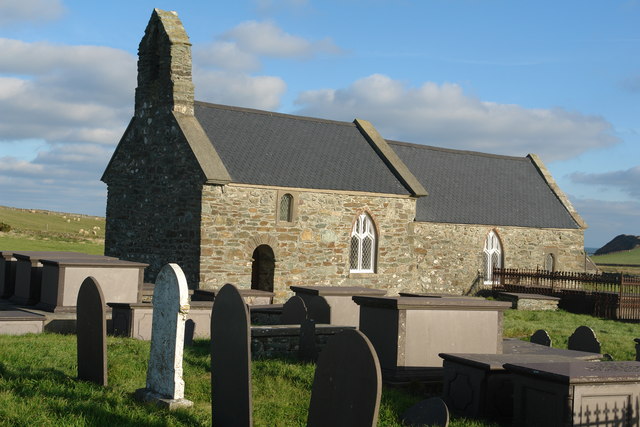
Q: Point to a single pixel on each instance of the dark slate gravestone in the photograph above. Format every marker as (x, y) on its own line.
(91, 331)
(307, 348)
(637, 340)
(347, 384)
(430, 412)
(230, 360)
(541, 337)
(294, 311)
(584, 339)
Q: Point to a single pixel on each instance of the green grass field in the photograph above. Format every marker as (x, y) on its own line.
(631, 257)
(38, 386)
(51, 231)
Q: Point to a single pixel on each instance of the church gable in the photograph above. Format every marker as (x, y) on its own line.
(475, 188)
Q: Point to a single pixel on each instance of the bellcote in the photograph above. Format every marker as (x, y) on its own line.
(164, 67)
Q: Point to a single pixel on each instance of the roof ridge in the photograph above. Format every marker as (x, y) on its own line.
(272, 113)
(453, 150)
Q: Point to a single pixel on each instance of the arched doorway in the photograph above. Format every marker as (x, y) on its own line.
(263, 268)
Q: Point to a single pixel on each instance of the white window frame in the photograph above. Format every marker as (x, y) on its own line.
(492, 251)
(363, 230)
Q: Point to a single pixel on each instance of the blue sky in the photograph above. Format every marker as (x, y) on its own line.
(557, 78)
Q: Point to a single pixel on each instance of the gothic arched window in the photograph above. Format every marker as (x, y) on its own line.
(362, 258)
(492, 256)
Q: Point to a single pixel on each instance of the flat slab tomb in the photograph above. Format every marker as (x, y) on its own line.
(334, 304)
(576, 393)
(120, 281)
(408, 333)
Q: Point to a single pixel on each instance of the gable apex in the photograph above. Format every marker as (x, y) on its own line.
(164, 66)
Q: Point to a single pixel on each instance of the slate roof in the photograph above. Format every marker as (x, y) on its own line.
(264, 148)
(475, 188)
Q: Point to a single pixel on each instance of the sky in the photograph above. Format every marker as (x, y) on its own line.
(560, 79)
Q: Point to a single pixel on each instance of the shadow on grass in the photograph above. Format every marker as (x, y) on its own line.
(48, 397)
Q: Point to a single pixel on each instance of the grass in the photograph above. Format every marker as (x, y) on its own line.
(616, 337)
(51, 231)
(630, 260)
(38, 386)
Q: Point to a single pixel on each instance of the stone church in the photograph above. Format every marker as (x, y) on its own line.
(267, 200)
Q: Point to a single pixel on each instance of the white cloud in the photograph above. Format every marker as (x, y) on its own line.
(225, 55)
(627, 181)
(16, 12)
(63, 177)
(267, 39)
(64, 93)
(443, 115)
(263, 92)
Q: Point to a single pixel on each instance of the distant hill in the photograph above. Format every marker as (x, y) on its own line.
(623, 242)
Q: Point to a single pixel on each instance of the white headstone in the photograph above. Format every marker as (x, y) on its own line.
(170, 307)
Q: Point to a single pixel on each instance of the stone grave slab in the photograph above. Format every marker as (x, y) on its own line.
(347, 384)
(308, 349)
(584, 339)
(530, 302)
(477, 385)
(250, 296)
(231, 403)
(429, 412)
(20, 322)
(334, 304)
(408, 333)
(7, 274)
(121, 281)
(28, 273)
(294, 311)
(576, 393)
(637, 341)
(541, 337)
(135, 319)
(165, 386)
(91, 331)
(516, 346)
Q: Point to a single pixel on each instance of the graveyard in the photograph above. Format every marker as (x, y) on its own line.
(39, 378)
(374, 315)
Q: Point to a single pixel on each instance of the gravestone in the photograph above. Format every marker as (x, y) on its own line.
(541, 337)
(230, 360)
(294, 311)
(637, 340)
(307, 348)
(584, 339)
(91, 332)
(347, 384)
(429, 412)
(165, 385)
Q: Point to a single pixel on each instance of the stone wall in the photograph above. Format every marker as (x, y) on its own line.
(153, 204)
(449, 257)
(313, 249)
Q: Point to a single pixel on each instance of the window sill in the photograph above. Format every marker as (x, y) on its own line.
(361, 275)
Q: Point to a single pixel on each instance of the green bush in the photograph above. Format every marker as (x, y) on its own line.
(5, 227)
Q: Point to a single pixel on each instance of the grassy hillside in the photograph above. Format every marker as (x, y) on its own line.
(623, 257)
(627, 258)
(45, 230)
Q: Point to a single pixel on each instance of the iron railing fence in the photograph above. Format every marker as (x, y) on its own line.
(612, 295)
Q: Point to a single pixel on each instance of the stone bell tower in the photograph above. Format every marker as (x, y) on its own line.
(164, 67)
